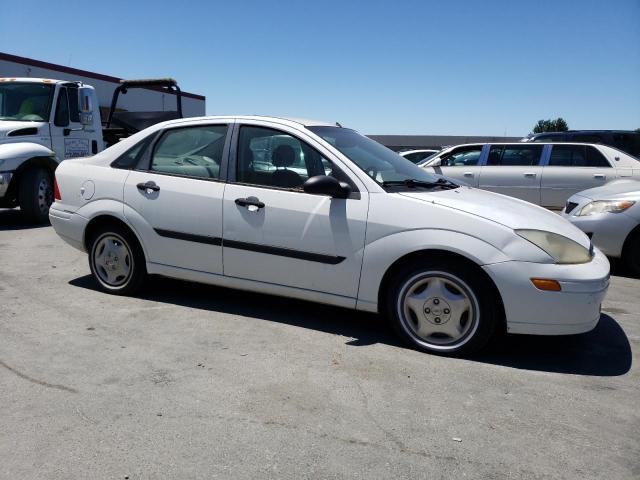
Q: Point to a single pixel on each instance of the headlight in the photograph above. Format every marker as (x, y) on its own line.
(561, 249)
(602, 206)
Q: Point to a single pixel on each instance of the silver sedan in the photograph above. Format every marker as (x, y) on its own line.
(610, 215)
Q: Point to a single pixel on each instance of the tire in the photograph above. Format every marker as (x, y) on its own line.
(116, 260)
(442, 307)
(35, 195)
(631, 253)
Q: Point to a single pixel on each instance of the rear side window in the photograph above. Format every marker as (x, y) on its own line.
(577, 156)
(586, 138)
(191, 151)
(515, 155)
(461, 157)
(131, 157)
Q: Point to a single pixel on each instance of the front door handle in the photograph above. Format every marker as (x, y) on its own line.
(530, 174)
(599, 175)
(145, 187)
(250, 202)
(468, 174)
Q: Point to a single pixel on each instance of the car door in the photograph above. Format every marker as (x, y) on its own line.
(275, 232)
(572, 168)
(68, 138)
(513, 170)
(461, 163)
(174, 199)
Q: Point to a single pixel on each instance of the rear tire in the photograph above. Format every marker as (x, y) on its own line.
(631, 253)
(442, 307)
(35, 195)
(116, 260)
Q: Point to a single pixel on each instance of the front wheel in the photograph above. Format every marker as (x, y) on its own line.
(442, 307)
(35, 195)
(116, 260)
(631, 253)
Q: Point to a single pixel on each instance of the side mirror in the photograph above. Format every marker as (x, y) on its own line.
(85, 102)
(326, 185)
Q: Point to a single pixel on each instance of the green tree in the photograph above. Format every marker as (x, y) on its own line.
(557, 125)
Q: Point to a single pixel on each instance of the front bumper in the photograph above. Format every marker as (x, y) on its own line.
(575, 309)
(5, 180)
(69, 226)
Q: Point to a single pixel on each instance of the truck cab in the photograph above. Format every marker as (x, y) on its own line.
(42, 123)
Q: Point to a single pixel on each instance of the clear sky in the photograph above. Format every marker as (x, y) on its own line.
(382, 67)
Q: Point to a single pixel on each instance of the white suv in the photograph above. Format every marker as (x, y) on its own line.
(544, 174)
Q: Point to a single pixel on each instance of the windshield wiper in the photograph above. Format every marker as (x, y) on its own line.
(413, 183)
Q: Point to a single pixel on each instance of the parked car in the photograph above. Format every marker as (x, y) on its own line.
(610, 215)
(417, 156)
(626, 140)
(361, 228)
(544, 174)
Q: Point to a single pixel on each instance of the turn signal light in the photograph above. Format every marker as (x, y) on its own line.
(56, 190)
(546, 284)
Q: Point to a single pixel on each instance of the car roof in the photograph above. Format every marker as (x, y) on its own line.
(293, 121)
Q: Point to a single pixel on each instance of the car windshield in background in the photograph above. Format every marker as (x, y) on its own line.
(383, 165)
(26, 102)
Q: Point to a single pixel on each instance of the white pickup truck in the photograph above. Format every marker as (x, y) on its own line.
(43, 122)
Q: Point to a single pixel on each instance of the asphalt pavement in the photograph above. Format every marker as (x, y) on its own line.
(193, 381)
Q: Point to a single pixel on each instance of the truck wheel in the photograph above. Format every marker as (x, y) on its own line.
(631, 253)
(116, 260)
(35, 195)
(442, 307)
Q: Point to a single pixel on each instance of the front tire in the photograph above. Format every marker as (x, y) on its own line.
(442, 307)
(116, 260)
(35, 195)
(631, 253)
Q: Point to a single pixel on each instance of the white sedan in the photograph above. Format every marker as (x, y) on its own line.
(546, 174)
(358, 227)
(610, 215)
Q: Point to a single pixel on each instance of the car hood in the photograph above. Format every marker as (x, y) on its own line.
(621, 189)
(507, 211)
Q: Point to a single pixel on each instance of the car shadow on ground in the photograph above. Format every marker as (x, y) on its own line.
(11, 219)
(605, 351)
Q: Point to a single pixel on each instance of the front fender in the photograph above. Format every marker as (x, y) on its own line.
(383, 252)
(12, 155)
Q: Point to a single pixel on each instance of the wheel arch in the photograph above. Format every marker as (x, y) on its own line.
(435, 253)
(108, 219)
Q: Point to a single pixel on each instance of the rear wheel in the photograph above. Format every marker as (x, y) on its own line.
(631, 253)
(442, 307)
(35, 194)
(116, 260)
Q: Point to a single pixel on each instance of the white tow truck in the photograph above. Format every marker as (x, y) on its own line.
(43, 122)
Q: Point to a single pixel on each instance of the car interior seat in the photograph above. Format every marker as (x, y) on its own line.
(282, 157)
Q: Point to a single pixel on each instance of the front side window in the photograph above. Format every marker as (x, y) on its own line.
(377, 161)
(190, 151)
(276, 159)
(515, 155)
(26, 102)
(576, 156)
(62, 109)
(74, 109)
(463, 156)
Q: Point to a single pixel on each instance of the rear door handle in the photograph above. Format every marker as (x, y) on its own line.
(468, 174)
(530, 174)
(250, 202)
(148, 186)
(599, 175)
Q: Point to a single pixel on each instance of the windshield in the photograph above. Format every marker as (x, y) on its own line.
(380, 163)
(26, 102)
